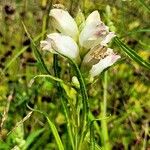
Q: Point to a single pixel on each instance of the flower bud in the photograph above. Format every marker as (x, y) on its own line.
(75, 82)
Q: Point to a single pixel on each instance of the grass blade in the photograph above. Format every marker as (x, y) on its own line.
(84, 95)
(144, 4)
(37, 53)
(132, 54)
(30, 139)
(135, 31)
(15, 57)
(52, 127)
(92, 140)
(55, 133)
(44, 76)
(63, 103)
(20, 52)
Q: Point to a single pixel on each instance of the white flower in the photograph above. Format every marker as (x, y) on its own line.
(58, 43)
(94, 37)
(64, 23)
(94, 32)
(98, 59)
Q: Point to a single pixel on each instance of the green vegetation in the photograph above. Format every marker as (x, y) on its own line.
(47, 103)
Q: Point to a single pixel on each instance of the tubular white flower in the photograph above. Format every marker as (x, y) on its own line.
(98, 59)
(58, 43)
(94, 36)
(63, 22)
(94, 32)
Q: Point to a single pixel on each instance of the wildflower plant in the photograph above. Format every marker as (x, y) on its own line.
(94, 38)
(58, 94)
(86, 48)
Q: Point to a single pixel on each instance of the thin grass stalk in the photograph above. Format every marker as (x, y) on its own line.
(105, 136)
(145, 5)
(36, 51)
(46, 18)
(52, 127)
(92, 140)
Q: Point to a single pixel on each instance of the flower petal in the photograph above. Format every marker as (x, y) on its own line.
(104, 63)
(95, 32)
(93, 17)
(63, 22)
(98, 59)
(89, 59)
(108, 38)
(62, 44)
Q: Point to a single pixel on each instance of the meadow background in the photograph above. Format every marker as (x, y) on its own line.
(128, 92)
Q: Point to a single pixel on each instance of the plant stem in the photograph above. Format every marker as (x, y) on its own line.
(57, 74)
(84, 101)
(103, 105)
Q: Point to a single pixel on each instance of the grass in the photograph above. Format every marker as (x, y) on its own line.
(40, 106)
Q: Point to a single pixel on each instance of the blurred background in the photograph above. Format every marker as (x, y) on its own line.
(128, 92)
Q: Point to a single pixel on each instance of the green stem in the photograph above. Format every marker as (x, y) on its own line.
(84, 101)
(103, 105)
(56, 66)
(57, 74)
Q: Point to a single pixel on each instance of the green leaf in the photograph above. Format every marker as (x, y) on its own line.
(30, 139)
(63, 98)
(52, 127)
(36, 51)
(44, 76)
(132, 54)
(55, 133)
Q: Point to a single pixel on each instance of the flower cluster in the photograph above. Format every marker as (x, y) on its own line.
(93, 38)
